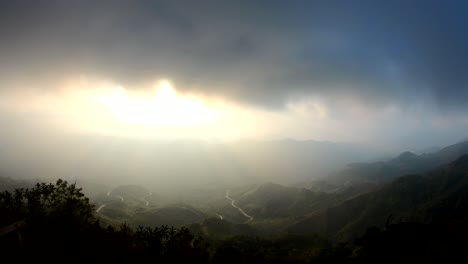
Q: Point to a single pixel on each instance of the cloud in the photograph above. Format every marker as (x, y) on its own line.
(264, 53)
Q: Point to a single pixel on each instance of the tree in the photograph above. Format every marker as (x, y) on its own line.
(59, 226)
(54, 215)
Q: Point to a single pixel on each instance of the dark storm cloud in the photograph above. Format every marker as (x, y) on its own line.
(261, 52)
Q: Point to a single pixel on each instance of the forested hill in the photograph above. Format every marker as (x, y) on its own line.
(361, 177)
(417, 217)
(438, 196)
(55, 223)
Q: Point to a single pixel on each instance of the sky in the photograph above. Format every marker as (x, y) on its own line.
(379, 72)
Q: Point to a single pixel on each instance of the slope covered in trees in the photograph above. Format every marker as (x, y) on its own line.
(358, 178)
(416, 218)
(437, 196)
(56, 223)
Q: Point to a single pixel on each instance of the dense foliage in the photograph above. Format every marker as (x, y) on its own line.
(56, 223)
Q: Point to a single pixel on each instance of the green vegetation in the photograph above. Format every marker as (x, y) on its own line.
(362, 177)
(56, 223)
(414, 219)
(438, 196)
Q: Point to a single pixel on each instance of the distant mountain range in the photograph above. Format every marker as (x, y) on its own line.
(426, 188)
(409, 187)
(166, 167)
(360, 177)
(439, 195)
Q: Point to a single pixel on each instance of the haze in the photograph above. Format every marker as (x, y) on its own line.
(190, 93)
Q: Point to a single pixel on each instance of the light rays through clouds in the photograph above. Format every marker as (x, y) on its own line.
(154, 111)
(392, 71)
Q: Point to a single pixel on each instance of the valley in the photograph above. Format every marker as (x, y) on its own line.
(250, 218)
(335, 210)
(234, 131)
(340, 212)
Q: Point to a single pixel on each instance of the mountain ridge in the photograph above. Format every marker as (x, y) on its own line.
(435, 196)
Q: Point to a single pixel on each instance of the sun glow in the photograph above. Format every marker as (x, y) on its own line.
(165, 108)
(90, 105)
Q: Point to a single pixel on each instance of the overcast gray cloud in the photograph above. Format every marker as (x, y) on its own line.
(260, 52)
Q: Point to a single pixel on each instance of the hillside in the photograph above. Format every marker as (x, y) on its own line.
(213, 228)
(137, 205)
(357, 178)
(273, 200)
(174, 215)
(439, 195)
(273, 206)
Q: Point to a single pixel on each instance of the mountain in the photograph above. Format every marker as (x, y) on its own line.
(137, 205)
(272, 206)
(439, 195)
(214, 228)
(175, 166)
(361, 177)
(174, 215)
(272, 200)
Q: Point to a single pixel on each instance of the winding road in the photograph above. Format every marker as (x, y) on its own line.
(100, 207)
(118, 196)
(146, 201)
(109, 194)
(220, 216)
(238, 208)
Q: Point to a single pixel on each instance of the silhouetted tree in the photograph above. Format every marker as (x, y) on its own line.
(58, 225)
